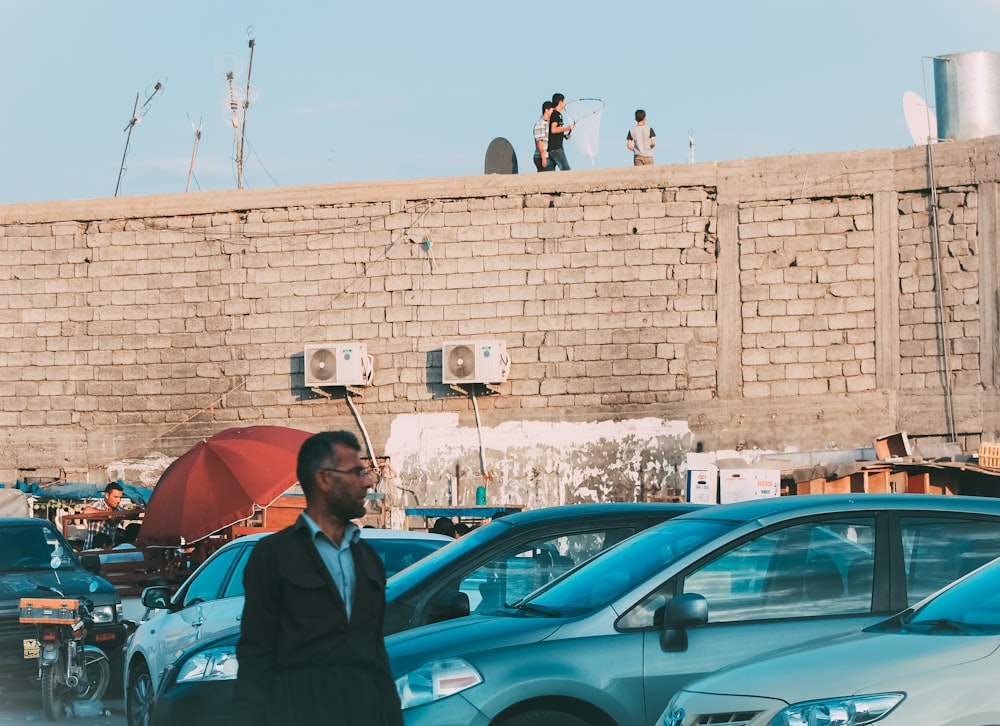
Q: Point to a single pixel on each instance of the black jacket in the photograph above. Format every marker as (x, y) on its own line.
(300, 660)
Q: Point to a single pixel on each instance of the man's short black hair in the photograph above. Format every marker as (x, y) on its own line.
(114, 486)
(639, 115)
(547, 105)
(316, 451)
(556, 98)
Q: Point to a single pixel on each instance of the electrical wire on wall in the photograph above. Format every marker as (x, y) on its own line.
(487, 476)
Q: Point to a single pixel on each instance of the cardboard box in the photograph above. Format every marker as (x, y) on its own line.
(739, 481)
(893, 446)
(702, 479)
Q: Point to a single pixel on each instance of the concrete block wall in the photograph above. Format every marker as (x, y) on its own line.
(807, 275)
(772, 304)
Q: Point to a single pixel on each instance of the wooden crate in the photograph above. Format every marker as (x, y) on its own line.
(989, 455)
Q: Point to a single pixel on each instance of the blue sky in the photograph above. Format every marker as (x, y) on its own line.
(357, 92)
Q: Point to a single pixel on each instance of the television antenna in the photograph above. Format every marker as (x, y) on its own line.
(138, 112)
(234, 109)
(194, 152)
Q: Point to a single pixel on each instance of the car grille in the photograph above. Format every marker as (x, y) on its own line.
(13, 630)
(740, 718)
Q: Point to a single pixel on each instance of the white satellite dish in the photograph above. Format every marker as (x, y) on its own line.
(919, 119)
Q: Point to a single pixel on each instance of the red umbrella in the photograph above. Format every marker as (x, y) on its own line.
(218, 482)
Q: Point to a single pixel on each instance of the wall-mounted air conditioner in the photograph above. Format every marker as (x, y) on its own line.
(474, 361)
(338, 364)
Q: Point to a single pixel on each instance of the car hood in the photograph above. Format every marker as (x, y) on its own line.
(465, 637)
(75, 583)
(858, 663)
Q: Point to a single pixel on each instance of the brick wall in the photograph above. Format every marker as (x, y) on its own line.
(785, 303)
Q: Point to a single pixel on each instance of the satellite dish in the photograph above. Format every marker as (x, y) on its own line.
(323, 364)
(461, 362)
(919, 120)
(500, 157)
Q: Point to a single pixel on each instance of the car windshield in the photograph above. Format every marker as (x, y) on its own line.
(433, 563)
(971, 607)
(614, 572)
(31, 547)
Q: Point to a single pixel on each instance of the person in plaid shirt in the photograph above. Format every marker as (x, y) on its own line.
(541, 133)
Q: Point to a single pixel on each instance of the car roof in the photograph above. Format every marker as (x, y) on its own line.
(572, 511)
(37, 521)
(403, 534)
(816, 503)
(366, 533)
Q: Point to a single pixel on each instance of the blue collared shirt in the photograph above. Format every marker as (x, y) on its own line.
(338, 560)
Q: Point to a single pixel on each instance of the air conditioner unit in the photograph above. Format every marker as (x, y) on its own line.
(474, 361)
(337, 364)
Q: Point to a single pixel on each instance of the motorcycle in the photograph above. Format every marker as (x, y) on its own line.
(69, 670)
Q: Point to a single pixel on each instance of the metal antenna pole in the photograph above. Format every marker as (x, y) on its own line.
(246, 105)
(131, 124)
(236, 131)
(137, 114)
(194, 151)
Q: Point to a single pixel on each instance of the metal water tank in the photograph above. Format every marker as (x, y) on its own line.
(967, 95)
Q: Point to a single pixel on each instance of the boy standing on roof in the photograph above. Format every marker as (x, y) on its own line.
(541, 134)
(641, 140)
(558, 132)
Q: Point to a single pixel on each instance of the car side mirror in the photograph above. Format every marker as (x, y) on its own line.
(682, 612)
(449, 605)
(92, 563)
(156, 598)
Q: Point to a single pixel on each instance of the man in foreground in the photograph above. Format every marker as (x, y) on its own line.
(311, 648)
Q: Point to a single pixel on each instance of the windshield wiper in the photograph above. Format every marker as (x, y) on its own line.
(529, 607)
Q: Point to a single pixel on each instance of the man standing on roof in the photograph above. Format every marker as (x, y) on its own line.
(558, 132)
(541, 134)
(641, 140)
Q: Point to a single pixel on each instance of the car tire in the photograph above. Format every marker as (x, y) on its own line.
(138, 695)
(545, 717)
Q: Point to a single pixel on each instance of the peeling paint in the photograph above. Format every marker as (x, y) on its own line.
(535, 463)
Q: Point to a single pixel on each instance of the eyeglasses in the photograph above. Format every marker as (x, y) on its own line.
(358, 471)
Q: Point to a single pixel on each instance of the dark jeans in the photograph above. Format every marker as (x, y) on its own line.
(549, 166)
(558, 159)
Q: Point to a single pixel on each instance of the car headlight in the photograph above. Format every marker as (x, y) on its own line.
(212, 664)
(435, 680)
(847, 711)
(103, 614)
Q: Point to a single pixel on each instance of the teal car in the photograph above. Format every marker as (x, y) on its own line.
(612, 641)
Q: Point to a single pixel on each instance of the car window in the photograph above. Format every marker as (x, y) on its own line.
(939, 550)
(234, 588)
(398, 554)
(972, 607)
(514, 574)
(816, 568)
(207, 583)
(619, 569)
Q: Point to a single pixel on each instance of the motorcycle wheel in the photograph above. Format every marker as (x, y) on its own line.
(55, 695)
(97, 670)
